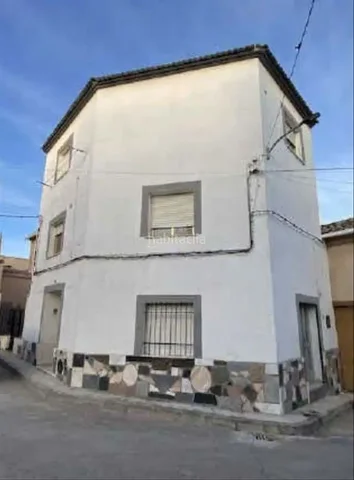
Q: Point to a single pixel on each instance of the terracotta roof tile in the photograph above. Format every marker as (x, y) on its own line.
(338, 226)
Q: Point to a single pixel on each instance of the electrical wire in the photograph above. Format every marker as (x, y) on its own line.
(10, 215)
(298, 50)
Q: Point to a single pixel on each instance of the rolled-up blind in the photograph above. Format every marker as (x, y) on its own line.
(175, 210)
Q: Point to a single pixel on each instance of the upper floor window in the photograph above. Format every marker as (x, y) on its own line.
(63, 159)
(56, 235)
(171, 210)
(293, 138)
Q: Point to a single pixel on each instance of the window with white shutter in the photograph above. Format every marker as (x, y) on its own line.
(293, 137)
(172, 215)
(171, 210)
(63, 159)
(56, 236)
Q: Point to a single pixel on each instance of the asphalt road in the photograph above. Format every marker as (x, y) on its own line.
(65, 438)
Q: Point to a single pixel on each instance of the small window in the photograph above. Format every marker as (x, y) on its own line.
(172, 215)
(171, 210)
(56, 236)
(63, 159)
(169, 330)
(293, 138)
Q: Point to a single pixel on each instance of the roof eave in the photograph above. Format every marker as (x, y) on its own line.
(262, 52)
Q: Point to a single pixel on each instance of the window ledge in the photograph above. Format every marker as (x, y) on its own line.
(301, 160)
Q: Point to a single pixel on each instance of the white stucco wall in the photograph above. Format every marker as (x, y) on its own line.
(298, 264)
(202, 125)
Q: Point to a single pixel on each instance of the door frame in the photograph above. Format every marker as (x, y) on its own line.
(56, 287)
(312, 301)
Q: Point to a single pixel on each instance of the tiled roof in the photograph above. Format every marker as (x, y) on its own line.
(346, 224)
(262, 52)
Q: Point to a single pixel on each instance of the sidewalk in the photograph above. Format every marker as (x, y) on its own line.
(304, 421)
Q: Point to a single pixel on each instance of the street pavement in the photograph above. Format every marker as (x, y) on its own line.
(63, 437)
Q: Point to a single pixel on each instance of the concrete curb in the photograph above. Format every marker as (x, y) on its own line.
(306, 421)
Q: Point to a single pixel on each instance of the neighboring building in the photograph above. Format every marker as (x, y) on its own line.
(33, 249)
(339, 238)
(171, 259)
(15, 282)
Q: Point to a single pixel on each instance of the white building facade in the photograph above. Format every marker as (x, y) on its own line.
(175, 257)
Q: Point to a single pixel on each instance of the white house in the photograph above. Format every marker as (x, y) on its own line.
(177, 256)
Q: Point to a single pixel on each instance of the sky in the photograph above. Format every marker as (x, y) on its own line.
(50, 48)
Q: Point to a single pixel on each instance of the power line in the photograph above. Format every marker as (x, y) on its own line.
(298, 49)
(319, 169)
(10, 215)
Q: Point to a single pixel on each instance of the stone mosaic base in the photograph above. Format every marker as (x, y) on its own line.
(4, 342)
(239, 386)
(332, 368)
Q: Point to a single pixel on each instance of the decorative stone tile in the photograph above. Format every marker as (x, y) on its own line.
(294, 376)
(88, 367)
(77, 377)
(144, 370)
(250, 393)
(78, 360)
(271, 369)
(90, 382)
(246, 405)
(162, 396)
(103, 383)
(288, 392)
(146, 379)
(122, 389)
(234, 391)
(102, 359)
(130, 375)
(220, 363)
(205, 398)
(201, 379)
(219, 375)
(256, 372)
(116, 378)
(163, 382)
(116, 359)
(161, 364)
(184, 397)
(239, 381)
(142, 389)
(186, 386)
(177, 386)
(271, 389)
(216, 390)
(183, 363)
(204, 362)
(234, 403)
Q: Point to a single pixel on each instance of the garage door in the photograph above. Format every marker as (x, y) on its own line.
(344, 323)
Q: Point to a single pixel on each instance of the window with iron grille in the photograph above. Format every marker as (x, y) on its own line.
(169, 330)
(293, 138)
(171, 210)
(168, 326)
(63, 159)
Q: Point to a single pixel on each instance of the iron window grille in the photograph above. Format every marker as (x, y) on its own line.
(169, 330)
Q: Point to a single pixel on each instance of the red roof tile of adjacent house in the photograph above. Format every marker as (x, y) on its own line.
(339, 226)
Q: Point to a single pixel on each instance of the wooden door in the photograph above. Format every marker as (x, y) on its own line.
(344, 323)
